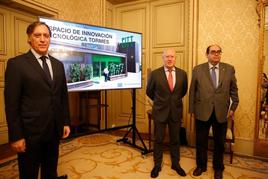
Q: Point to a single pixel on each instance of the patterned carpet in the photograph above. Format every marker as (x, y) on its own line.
(99, 156)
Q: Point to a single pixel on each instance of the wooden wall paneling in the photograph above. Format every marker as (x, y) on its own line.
(12, 42)
(132, 18)
(109, 15)
(21, 23)
(74, 110)
(163, 24)
(123, 107)
(4, 52)
(3, 32)
(181, 61)
(2, 70)
(167, 23)
(3, 124)
(35, 7)
(111, 112)
(156, 58)
(169, 29)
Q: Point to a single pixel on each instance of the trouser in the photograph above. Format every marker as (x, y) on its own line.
(219, 134)
(174, 141)
(43, 155)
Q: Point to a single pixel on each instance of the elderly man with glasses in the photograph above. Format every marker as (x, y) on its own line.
(213, 98)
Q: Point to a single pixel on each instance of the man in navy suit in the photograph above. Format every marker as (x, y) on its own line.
(166, 87)
(213, 98)
(36, 104)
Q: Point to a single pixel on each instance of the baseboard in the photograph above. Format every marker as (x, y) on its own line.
(243, 147)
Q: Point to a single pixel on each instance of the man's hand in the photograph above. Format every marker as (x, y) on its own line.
(66, 132)
(18, 146)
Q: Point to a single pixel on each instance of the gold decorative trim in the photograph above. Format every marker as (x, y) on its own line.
(260, 9)
(260, 144)
(193, 61)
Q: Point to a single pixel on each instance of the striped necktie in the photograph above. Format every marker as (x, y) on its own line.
(213, 76)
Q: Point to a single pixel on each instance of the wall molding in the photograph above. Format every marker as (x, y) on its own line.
(32, 6)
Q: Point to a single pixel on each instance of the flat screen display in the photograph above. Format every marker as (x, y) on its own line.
(94, 57)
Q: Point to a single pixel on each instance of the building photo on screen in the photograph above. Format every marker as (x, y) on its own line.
(94, 57)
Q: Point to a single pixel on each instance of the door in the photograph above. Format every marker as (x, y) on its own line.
(13, 41)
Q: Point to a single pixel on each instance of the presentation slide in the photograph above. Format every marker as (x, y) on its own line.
(96, 58)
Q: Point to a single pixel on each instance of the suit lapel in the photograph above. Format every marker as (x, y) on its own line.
(164, 78)
(177, 78)
(221, 74)
(54, 70)
(34, 63)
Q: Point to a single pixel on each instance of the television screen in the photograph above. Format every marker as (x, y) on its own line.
(94, 57)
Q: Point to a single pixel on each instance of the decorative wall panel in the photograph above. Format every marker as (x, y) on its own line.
(20, 26)
(3, 125)
(2, 70)
(3, 31)
(109, 15)
(157, 62)
(134, 18)
(168, 23)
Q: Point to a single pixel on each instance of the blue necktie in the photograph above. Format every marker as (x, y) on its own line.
(213, 76)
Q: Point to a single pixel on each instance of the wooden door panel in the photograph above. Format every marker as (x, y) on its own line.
(13, 41)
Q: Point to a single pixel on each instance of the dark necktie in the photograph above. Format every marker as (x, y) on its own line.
(45, 67)
(213, 76)
(170, 80)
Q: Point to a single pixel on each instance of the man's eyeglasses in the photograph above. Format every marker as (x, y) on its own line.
(214, 52)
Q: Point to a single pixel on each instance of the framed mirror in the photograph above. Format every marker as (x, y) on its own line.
(261, 125)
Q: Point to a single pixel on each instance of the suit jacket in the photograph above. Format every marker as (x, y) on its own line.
(33, 104)
(164, 100)
(203, 97)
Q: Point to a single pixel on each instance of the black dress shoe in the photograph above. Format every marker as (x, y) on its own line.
(155, 171)
(218, 174)
(179, 170)
(198, 171)
(62, 177)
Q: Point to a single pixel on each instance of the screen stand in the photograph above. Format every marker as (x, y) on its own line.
(134, 130)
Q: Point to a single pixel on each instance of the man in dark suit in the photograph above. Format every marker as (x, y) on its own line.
(36, 104)
(166, 87)
(213, 98)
